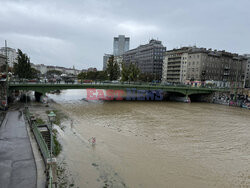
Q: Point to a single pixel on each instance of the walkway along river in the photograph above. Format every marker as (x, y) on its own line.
(155, 144)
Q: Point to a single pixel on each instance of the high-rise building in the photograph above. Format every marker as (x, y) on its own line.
(199, 64)
(148, 58)
(247, 73)
(120, 45)
(11, 54)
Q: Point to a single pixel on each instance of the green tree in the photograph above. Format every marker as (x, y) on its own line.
(113, 70)
(93, 75)
(130, 73)
(102, 75)
(124, 73)
(133, 72)
(146, 77)
(23, 68)
(35, 73)
(82, 76)
(3, 68)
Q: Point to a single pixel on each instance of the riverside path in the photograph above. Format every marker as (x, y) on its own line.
(17, 164)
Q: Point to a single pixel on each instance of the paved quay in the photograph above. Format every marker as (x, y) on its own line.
(17, 164)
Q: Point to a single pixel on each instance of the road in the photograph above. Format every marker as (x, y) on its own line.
(17, 164)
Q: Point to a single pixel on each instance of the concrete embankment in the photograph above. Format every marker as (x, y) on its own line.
(2, 115)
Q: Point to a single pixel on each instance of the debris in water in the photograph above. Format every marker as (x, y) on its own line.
(94, 164)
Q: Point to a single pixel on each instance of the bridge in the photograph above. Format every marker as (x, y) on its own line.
(43, 88)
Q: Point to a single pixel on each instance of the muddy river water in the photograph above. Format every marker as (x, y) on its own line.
(154, 144)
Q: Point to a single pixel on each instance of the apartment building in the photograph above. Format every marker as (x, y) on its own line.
(247, 72)
(175, 65)
(221, 67)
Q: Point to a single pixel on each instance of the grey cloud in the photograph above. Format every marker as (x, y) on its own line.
(79, 32)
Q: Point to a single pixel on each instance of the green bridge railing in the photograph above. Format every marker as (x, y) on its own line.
(42, 146)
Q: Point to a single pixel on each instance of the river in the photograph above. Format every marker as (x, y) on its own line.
(155, 144)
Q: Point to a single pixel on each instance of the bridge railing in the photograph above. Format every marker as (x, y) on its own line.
(117, 83)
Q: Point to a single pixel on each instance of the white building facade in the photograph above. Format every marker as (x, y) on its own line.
(174, 68)
(11, 54)
(105, 61)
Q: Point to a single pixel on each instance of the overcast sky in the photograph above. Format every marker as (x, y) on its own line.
(79, 32)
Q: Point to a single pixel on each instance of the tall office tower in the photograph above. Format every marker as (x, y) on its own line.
(121, 45)
(148, 58)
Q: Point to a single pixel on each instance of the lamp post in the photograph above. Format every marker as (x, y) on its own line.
(52, 118)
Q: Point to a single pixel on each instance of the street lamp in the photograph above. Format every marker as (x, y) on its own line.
(52, 118)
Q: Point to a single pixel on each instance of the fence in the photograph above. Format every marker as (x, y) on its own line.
(42, 146)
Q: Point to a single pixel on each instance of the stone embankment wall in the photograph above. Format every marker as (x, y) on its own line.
(216, 97)
(2, 94)
(2, 116)
(226, 98)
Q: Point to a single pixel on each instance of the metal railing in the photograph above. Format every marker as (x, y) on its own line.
(42, 146)
(95, 82)
(41, 142)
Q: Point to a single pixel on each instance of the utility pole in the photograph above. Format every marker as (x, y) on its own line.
(7, 73)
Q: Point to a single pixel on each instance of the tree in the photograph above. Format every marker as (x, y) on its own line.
(146, 77)
(3, 68)
(35, 73)
(102, 75)
(23, 68)
(82, 76)
(113, 70)
(93, 75)
(133, 72)
(130, 73)
(124, 73)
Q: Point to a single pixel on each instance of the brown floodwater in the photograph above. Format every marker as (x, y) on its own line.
(155, 144)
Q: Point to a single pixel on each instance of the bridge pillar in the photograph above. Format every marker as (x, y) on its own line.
(38, 96)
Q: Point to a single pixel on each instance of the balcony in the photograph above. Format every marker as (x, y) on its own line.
(174, 65)
(174, 68)
(173, 76)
